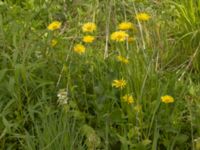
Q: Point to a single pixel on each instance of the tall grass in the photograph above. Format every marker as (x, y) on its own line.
(54, 98)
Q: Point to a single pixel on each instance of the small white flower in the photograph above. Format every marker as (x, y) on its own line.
(62, 97)
(38, 54)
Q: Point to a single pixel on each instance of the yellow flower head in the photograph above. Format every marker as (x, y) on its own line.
(88, 39)
(54, 25)
(138, 108)
(79, 48)
(125, 26)
(122, 59)
(54, 42)
(119, 83)
(119, 36)
(167, 99)
(131, 39)
(89, 27)
(128, 98)
(142, 16)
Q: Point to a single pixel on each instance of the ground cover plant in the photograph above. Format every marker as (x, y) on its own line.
(99, 74)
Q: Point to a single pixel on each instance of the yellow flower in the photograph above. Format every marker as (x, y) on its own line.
(89, 27)
(128, 98)
(122, 59)
(131, 39)
(167, 99)
(79, 48)
(125, 26)
(119, 83)
(119, 36)
(88, 39)
(54, 25)
(138, 108)
(54, 42)
(142, 16)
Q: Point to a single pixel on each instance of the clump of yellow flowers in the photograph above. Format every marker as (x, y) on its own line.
(119, 36)
(54, 42)
(79, 48)
(167, 99)
(119, 83)
(142, 16)
(122, 59)
(128, 99)
(88, 39)
(125, 26)
(54, 25)
(89, 27)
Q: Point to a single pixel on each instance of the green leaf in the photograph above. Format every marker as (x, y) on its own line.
(116, 115)
(123, 140)
(140, 146)
(146, 142)
(2, 74)
(181, 138)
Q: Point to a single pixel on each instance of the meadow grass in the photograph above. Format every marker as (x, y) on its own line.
(138, 93)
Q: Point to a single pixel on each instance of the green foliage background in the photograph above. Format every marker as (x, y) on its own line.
(164, 59)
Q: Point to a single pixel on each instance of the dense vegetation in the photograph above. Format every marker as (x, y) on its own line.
(72, 77)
